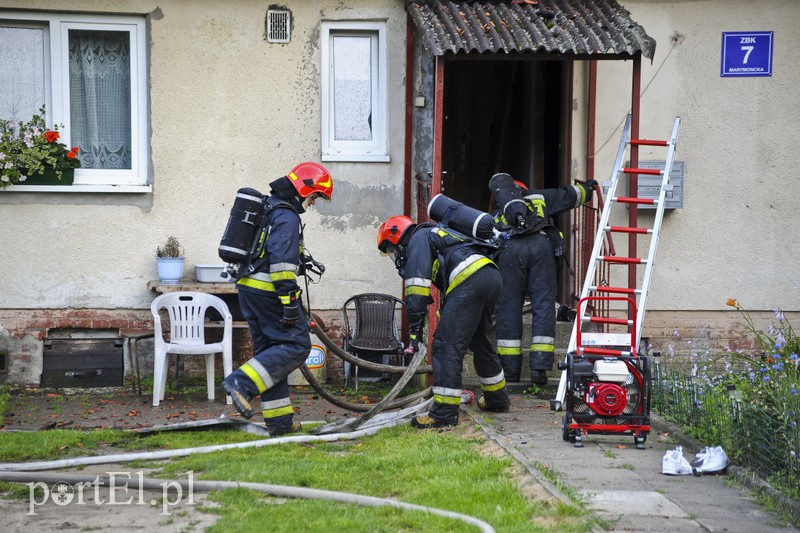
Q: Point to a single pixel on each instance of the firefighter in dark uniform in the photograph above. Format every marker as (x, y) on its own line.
(528, 262)
(470, 284)
(270, 302)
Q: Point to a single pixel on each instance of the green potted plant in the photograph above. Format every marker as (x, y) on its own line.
(30, 154)
(169, 260)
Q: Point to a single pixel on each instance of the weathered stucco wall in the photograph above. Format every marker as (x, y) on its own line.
(733, 238)
(227, 110)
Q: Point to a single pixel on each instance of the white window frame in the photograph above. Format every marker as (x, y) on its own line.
(374, 150)
(57, 26)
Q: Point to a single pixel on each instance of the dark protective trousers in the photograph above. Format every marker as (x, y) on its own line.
(278, 348)
(529, 268)
(465, 322)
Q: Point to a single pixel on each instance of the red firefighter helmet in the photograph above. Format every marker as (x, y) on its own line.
(309, 178)
(392, 231)
(521, 185)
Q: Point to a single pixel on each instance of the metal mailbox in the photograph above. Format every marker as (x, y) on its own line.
(649, 185)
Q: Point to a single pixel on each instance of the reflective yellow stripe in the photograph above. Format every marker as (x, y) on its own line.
(422, 291)
(509, 346)
(467, 272)
(281, 411)
(257, 284)
(253, 375)
(494, 387)
(285, 299)
(285, 274)
(543, 348)
(447, 400)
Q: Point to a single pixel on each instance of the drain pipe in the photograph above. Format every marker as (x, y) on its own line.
(205, 486)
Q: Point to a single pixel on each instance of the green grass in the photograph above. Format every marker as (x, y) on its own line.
(5, 394)
(449, 470)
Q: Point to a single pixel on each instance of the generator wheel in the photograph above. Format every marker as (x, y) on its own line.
(565, 432)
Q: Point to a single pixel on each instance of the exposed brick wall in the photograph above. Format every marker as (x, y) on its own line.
(680, 333)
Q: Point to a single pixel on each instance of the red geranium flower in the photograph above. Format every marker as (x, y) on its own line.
(51, 136)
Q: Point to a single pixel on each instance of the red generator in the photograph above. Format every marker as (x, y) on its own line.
(608, 383)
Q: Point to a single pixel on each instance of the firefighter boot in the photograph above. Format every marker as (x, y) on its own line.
(539, 377)
(425, 422)
(294, 427)
(240, 399)
(483, 405)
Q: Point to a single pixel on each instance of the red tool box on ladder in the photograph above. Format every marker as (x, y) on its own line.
(605, 382)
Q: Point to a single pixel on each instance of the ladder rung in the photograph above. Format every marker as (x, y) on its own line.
(651, 171)
(602, 351)
(626, 260)
(608, 320)
(625, 229)
(648, 142)
(615, 290)
(630, 200)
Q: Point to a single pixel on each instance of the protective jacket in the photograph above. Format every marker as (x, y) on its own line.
(528, 263)
(279, 348)
(470, 285)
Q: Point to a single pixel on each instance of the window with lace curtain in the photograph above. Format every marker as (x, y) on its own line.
(89, 73)
(354, 91)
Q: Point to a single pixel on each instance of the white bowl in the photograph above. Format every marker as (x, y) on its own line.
(210, 273)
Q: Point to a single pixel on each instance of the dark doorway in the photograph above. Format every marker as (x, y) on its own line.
(505, 115)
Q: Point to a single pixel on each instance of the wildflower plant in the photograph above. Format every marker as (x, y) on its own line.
(772, 388)
(746, 401)
(30, 148)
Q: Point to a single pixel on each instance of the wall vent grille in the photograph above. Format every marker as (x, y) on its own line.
(279, 26)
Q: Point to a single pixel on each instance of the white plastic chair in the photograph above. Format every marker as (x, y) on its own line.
(187, 322)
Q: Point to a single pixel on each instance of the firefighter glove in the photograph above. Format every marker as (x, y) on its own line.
(291, 313)
(589, 186)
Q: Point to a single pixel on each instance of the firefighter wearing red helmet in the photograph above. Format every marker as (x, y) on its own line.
(528, 262)
(270, 301)
(429, 254)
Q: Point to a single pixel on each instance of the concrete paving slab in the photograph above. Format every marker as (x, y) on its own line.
(624, 485)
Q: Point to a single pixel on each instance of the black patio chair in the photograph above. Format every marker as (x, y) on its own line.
(372, 332)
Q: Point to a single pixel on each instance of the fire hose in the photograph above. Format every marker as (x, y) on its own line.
(206, 486)
(388, 402)
(32, 472)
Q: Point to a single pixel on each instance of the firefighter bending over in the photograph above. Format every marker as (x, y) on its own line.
(528, 262)
(270, 301)
(469, 282)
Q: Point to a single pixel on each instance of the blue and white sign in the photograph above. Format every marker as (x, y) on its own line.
(746, 54)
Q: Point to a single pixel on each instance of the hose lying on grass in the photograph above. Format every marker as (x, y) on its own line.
(205, 486)
(32, 472)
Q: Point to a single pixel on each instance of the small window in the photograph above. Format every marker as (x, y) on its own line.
(89, 74)
(354, 91)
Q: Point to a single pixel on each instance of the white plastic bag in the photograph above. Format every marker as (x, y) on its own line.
(675, 464)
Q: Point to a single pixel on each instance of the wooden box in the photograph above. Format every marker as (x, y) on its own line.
(82, 363)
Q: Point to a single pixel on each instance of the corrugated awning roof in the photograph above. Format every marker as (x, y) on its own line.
(575, 27)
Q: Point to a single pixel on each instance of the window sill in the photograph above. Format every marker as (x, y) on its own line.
(81, 188)
(357, 158)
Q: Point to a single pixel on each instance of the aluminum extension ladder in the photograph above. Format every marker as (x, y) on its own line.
(591, 341)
